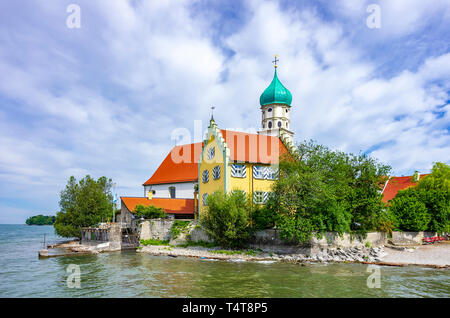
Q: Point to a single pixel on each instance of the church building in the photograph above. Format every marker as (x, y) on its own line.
(225, 160)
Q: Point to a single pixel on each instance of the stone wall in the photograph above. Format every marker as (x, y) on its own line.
(410, 238)
(157, 229)
(266, 240)
(160, 229)
(108, 238)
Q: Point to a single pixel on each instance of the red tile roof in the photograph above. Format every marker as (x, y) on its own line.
(398, 183)
(253, 148)
(171, 206)
(173, 169)
(244, 147)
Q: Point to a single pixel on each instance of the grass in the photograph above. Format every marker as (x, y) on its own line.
(154, 242)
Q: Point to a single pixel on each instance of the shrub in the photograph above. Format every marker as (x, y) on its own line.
(264, 217)
(149, 212)
(227, 220)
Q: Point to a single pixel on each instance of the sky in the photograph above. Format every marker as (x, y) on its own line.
(105, 99)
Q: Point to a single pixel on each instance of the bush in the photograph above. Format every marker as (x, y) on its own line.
(264, 217)
(227, 220)
(149, 212)
(410, 211)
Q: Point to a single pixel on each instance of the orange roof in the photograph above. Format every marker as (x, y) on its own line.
(171, 206)
(254, 148)
(178, 166)
(395, 184)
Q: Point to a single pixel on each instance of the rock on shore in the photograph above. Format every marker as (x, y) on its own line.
(357, 254)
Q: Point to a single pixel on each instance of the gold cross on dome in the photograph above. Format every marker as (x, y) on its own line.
(275, 61)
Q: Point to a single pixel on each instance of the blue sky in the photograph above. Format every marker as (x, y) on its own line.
(104, 99)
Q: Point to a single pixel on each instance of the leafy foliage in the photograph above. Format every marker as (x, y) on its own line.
(154, 242)
(228, 219)
(149, 212)
(426, 206)
(410, 211)
(40, 220)
(83, 204)
(327, 190)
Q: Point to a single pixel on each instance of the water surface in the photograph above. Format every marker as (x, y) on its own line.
(130, 274)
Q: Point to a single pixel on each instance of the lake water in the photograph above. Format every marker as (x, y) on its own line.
(130, 274)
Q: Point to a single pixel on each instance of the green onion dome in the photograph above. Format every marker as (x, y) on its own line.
(276, 93)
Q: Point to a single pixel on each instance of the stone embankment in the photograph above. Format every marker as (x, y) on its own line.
(357, 254)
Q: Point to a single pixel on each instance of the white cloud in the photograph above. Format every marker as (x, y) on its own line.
(105, 100)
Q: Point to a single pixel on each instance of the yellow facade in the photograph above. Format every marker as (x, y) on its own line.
(225, 182)
(250, 184)
(206, 164)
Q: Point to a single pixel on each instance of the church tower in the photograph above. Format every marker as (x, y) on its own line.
(275, 104)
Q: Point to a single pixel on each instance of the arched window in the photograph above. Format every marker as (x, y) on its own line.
(269, 110)
(270, 125)
(287, 125)
(279, 124)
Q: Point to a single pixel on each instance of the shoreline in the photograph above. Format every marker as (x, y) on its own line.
(381, 256)
(431, 256)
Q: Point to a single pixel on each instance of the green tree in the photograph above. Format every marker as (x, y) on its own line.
(228, 220)
(434, 191)
(149, 212)
(324, 190)
(410, 211)
(83, 204)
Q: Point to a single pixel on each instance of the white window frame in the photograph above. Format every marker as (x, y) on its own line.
(216, 172)
(239, 172)
(271, 173)
(205, 176)
(258, 197)
(258, 172)
(211, 152)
